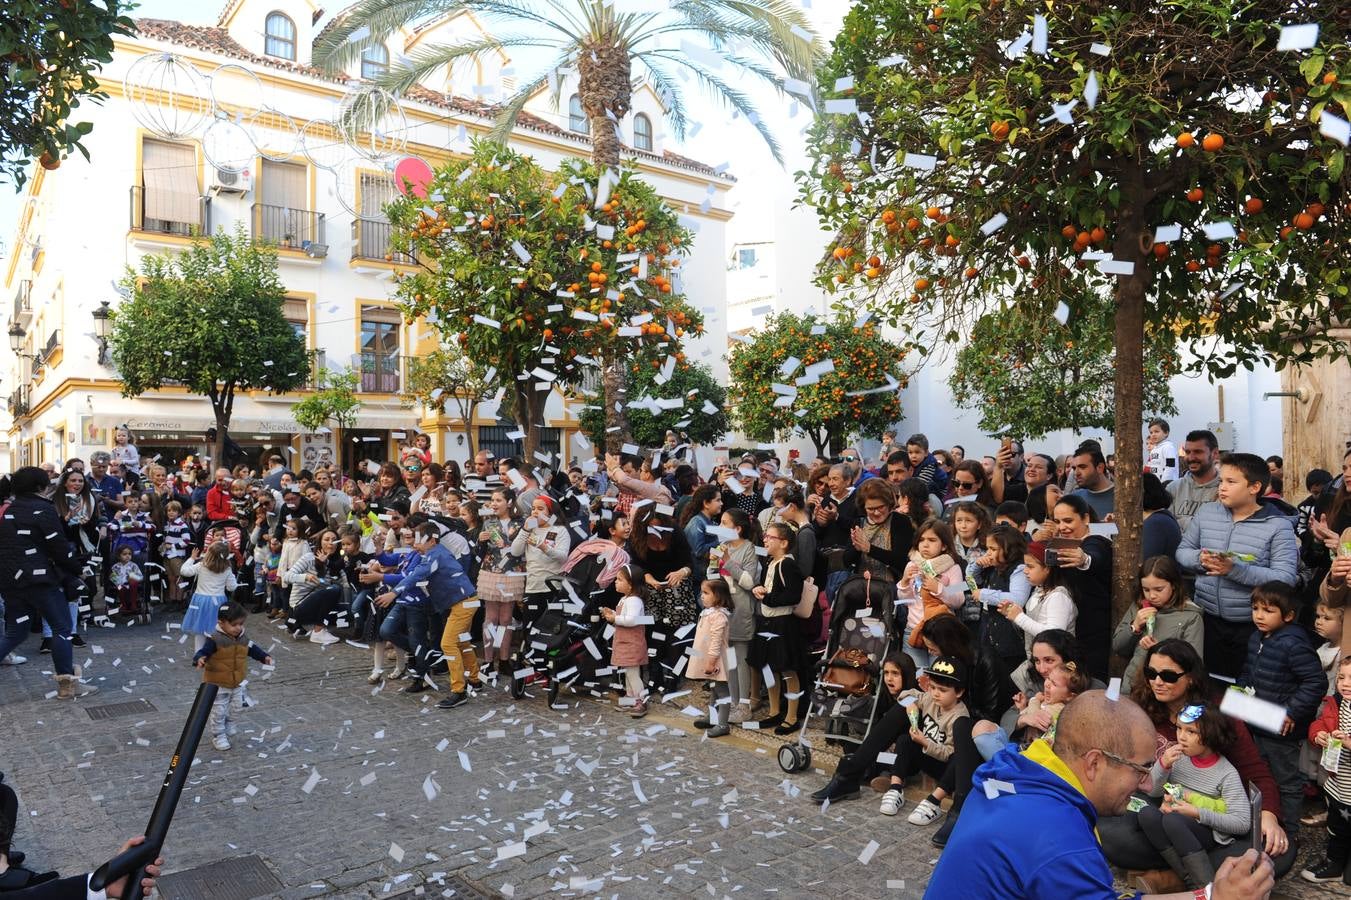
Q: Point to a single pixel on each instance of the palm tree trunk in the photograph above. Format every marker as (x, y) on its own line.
(605, 91)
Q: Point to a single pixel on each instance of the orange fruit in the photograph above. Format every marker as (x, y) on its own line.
(921, 284)
(873, 272)
(952, 240)
(1160, 251)
(933, 212)
(1098, 235)
(1068, 232)
(972, 272)
(874, 261)
(1023, 262)
(1212, 142)
(1315, 209)
(1193, 266)
(1253, 205)
(1285, 232)
(888, 216)
(1303, 221)
(1330, 78)
(1196, 195)
(1185, 140)
(49, 162)
(999, 129)
(595, 267)
(912, 223)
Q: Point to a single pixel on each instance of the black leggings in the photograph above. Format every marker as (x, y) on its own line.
(317, 606)
(1175, 830)
(9, 814)
(894, 728)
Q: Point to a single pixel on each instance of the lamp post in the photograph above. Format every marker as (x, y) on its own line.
(102, 317)
(16, 335)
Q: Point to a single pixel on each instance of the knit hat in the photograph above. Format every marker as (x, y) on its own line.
(1037, 550)
(947, 670)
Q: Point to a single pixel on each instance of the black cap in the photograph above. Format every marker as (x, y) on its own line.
(947, 670)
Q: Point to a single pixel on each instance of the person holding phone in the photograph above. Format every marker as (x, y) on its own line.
(1085, 559)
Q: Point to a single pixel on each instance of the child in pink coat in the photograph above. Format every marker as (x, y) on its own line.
(628, 647)
(709, 653)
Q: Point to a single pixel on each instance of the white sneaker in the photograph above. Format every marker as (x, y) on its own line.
(221, 743)
(399, 674)
(13, 659)
(324, 638)
(376, 676)
(925, 814)
(892, 801)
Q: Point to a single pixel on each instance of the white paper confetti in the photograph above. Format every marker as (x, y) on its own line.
(1298, 37)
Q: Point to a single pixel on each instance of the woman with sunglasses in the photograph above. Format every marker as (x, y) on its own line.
(970, 483)
(1172, 678)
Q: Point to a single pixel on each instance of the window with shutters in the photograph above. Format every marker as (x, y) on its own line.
(379, 349)
(642, 133)
(577, 120)
(281, 216)
(281, 37)
(168, 198)
(374, 62)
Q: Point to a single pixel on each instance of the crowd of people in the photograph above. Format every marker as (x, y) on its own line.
(632, 573)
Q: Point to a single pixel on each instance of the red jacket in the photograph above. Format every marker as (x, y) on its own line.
(218, 504)
(1327, 718)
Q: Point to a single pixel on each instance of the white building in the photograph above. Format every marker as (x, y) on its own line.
(83, 224)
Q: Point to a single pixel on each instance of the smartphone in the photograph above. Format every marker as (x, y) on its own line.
(1005, 442)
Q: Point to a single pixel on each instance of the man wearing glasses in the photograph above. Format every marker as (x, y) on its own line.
(1103, 753)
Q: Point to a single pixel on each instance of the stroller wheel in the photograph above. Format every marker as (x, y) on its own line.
(790, 758)
(553, 691)
(517, 688)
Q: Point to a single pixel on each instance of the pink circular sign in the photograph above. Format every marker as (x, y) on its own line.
(412, 173)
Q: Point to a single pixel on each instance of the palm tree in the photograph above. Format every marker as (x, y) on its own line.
(768, 40)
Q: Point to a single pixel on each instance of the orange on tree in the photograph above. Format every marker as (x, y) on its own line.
(1186, 139)
(1253, 205)
(1212, 142)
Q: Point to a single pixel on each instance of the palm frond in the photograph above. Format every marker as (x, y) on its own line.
(506, 118)
(776, 17)
(666, 87)
(399, 79)
(727, 94)
(335, 50)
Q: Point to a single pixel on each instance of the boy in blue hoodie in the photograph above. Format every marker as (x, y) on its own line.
(1283, 668)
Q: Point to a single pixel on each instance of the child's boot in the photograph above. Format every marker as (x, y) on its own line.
(1174, 861)
(1197, 872)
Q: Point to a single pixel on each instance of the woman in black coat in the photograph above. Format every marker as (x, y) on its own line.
(35, 559)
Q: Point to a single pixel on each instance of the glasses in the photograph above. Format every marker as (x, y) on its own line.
(876, 509)
(1167, 676)
(1141, 769)
(965, 484)
(848, 459)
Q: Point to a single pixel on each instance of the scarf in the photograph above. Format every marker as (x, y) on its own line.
(618, 558)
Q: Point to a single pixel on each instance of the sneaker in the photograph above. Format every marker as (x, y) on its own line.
(45, 646)
(836, 791)
(925, 814)
(77, 641)
(892, 801)
(416, 686)
(376, 676)
(399, 674)
(324, 638)
(1325, 871)
(13, 659)
(221, 743)
(474, 685)
(452, 700)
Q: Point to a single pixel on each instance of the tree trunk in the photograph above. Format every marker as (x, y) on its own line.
(820, 439)
(222, 405)
(604, 71)
(530, 417)
(1132, 243)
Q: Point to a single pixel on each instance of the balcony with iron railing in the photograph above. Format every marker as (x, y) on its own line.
(197, 212)
(288, 228)
(53, 344)
(23, 303)
(381, 373)
(372, 239)
(19, 402)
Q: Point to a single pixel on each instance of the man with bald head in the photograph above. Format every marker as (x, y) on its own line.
(1104, 750)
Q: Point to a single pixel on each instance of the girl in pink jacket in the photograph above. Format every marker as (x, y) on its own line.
(709, 654)
(628, 647)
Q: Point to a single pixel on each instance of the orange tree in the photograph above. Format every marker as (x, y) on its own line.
(772, 396)
(542, 275)
(688, 400)
(994, 151)
(1028, 375)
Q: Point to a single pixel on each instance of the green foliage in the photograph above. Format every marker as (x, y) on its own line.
(445, 375)
(335, 398)
(51, 51)
(1029, 375)
(835, 408)
(691, 383)
(934, 81)
(508, 241)
(211, 320)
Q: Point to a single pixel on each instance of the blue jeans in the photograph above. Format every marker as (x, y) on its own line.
(48, 601)
(406, 628)
(990, 744)
(74, 618)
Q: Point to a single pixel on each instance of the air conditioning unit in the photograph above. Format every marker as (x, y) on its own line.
(227, 182)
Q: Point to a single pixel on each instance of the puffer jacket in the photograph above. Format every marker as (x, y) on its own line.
(1267, 535)
(34, 552)
(1283, 667)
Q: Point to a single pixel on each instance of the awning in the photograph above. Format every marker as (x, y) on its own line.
(404, 420)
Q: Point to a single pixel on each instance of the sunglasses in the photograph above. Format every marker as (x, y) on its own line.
(848, 459)
(964, 484)
(1166, 676)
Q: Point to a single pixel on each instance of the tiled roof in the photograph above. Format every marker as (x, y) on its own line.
(217, 40)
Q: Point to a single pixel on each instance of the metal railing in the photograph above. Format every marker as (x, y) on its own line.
(53, 343)
(18, 402)
(286, 227)
(381, 372)
(371, 239)
(140, 222)
(23, 298)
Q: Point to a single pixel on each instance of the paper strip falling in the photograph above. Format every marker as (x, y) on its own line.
(1219, 231)
(1116, 267)
(1039, 35)
(1091, 90)
(396, 852)
(1062, 312)
(1114, 689)
(1166, 234)
(311, 782)
(993, 224)
(1298, 37)
(919, 161)
(1254, 710)
(841, 107)
(1100, 49)
(511, 851)
(994, 787)
(429, 788)
(867, 855)
(464, 761)
(1334, 128)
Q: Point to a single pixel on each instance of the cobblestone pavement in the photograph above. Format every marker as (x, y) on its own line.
(348, 791)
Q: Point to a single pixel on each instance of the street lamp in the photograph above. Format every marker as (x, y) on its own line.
(102, 315)
(16, 335)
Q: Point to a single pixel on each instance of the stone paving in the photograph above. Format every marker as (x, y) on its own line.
(349, 791)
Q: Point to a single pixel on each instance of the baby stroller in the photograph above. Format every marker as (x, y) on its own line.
(134, 535)
(849, 683)
(565, 644)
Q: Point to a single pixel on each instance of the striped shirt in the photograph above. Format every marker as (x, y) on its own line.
(1339, 784)
(1214, 779)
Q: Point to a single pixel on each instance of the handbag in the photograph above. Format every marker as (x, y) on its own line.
(807, 604)
(849, 672)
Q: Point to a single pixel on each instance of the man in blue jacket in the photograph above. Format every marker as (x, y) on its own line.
(1233, 545)
(1104, 750)
(437, 576)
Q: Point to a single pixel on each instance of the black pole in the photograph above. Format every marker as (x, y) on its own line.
(132, 862)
